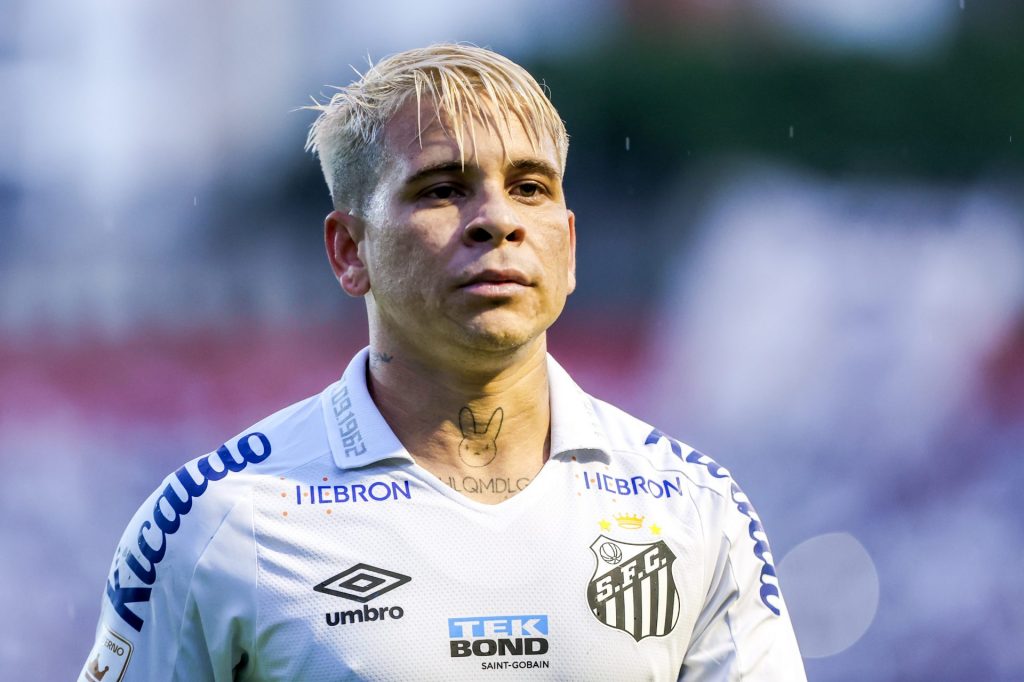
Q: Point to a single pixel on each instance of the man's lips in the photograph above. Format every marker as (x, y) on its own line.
(495, 277)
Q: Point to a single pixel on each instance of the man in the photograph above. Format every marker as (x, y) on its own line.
(454, 507)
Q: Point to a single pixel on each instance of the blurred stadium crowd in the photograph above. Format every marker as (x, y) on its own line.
(801, 250)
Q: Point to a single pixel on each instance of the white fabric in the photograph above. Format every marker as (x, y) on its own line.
(628, 557)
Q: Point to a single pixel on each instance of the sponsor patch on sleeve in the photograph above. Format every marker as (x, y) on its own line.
(108, 660)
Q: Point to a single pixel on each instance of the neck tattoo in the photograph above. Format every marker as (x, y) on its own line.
(378, 357)
(479, 447)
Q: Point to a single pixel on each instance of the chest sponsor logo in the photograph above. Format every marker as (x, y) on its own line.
(635, 486)
(498, 636)
(353, 493)
(363, 583)
(633, 589)
(108, 661)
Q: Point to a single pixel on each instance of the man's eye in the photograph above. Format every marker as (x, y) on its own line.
(529, 189)
(441, 192)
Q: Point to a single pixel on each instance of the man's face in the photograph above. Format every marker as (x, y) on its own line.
(482, 255)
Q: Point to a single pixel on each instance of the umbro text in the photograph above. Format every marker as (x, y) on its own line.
(367, 614)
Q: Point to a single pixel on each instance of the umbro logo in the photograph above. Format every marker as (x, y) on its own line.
(362, 583)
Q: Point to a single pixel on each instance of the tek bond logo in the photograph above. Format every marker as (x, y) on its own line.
(498, 636)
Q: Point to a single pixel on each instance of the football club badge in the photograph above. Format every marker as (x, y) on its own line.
(632, 589)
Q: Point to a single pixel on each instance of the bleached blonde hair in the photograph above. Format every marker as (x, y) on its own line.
(467, 85)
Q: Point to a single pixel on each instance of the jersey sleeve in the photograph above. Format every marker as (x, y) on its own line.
(179, 599)
(743, 631)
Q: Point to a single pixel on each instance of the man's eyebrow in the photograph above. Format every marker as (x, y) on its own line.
(537, 166)
(437, 168)
(520, 165)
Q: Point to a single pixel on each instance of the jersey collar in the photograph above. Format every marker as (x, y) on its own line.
(575, 426)
(356, 430)
(358, 434)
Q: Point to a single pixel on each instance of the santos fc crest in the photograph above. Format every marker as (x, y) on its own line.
(632, 589)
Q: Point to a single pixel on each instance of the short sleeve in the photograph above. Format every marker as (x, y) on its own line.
(743, 631)
(179, 595)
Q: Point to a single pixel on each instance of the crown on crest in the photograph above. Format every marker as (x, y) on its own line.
(630, 521)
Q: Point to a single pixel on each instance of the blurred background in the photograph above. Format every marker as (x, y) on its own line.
(801, 250)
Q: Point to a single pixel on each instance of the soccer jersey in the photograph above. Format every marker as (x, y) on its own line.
(313, 547)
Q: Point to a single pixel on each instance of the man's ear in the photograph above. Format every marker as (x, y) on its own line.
(342, 234)
(572, 252)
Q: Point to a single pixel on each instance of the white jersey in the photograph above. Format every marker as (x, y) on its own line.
(312, 547)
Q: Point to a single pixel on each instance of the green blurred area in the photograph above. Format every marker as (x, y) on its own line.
(954, 115)
(683, 98)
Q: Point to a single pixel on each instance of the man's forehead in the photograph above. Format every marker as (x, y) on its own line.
(425, 137)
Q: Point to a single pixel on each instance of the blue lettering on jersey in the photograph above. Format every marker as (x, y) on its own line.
(348, 427)
(172, 504)
(769, 592)
(496, 626)
(713, 467)
(637, 485)
(489, 636)
(377, 491)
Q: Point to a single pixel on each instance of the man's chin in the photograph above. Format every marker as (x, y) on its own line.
(497, 341)
(496, 338)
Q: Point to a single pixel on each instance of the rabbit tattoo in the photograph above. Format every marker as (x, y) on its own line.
(479, 448)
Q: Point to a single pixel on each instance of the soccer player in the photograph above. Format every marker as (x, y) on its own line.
(454, 507)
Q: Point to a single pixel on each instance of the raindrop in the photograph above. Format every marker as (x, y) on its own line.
(791, 132)
(627, 144)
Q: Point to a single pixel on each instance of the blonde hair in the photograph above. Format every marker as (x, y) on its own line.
(466, 84)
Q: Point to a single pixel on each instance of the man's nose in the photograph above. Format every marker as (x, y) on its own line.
(495, 220)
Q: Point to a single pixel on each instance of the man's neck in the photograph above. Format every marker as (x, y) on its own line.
(485, 433)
